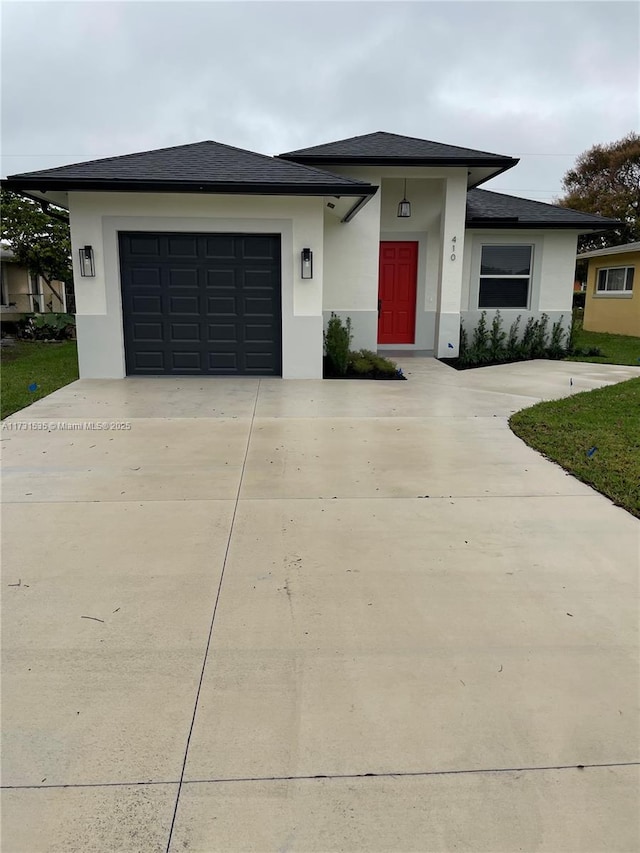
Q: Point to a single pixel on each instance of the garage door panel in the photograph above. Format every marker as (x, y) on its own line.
(146, 305)
(186, 360)
(257, 333)
(220, 246)
(148, 332)
(218, 298)
(256, 279)
(185, 305)
(258, 362)
(227, 332)
(182, 247)
(258, 306)
(183, 277)
(184, 332)
(222, 306)
(149, 361)
(221, 278)
(144, 244)
(224, 362)
(146, 277)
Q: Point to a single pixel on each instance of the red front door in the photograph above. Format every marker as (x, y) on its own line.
(397, 292)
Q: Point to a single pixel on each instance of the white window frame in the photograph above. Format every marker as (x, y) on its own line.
(529, 278)
(4, 294)
(35, 293)
(626, 293)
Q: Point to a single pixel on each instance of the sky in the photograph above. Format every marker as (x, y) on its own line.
(543, 81)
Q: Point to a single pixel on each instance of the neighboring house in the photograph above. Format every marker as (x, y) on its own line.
(206, 258)
(612, 302)
(24, 292)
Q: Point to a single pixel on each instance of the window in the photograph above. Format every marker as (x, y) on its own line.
(505, 276)
(615, 280)
(34, 292)
(3, 286)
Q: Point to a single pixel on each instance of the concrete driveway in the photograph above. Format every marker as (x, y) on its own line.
(314, 616)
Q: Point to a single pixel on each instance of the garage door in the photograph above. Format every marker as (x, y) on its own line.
(201, 303)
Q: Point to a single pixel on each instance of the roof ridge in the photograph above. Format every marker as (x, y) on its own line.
(397, 136)
(203, 142)
(540, 203)
(114, 157)
(448, 144)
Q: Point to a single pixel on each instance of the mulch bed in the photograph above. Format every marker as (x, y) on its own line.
(328, 373)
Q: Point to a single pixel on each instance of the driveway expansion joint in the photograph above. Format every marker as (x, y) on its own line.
(213, 616)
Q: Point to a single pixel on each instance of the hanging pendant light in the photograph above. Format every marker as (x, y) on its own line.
(404, 208)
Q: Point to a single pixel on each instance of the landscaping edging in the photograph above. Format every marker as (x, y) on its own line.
(455, 362)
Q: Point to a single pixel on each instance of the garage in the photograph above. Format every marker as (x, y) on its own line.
(197, 304)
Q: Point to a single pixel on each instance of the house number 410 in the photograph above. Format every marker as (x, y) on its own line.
(453, 248)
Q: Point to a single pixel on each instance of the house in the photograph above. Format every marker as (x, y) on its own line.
(209, 259)
(24, 292)
(612, 302)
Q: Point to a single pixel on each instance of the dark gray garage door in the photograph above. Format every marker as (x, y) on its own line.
(201, 303)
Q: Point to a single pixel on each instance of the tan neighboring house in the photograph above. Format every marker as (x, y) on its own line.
(612, 303)
(24, 292)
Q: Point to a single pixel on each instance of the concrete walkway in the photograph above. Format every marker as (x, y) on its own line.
(314, 616)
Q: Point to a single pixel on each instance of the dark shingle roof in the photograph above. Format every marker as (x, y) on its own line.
(392, 149)
(209, 165)
(496, 210)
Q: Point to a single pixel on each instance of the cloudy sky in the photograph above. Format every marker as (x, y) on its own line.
(542, 81)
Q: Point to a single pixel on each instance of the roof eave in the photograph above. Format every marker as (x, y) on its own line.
(504, 222)
(17, 184)
(505, 168)
(332, 160)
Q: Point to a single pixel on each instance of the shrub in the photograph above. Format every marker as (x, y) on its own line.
(526, 344)
(47, 327)
(577, 318)
(557, 347)
(512, 346)
(365, 362)
(497, 338)
(539, 343)
(494, 345)
(480, 340)
(478, 352)
(464, 342)
(337, 340)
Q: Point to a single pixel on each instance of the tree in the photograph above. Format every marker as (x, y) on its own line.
(40, 241)
(606, 180)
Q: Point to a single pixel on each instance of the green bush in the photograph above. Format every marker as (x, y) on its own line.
(497, 338)
(539, 343)
(493, 345)
(337, 342)
(47, 327)
(512, 345)
(365, 362)
(528, 337)
(479, 350)
(557, 346)
(464, 343)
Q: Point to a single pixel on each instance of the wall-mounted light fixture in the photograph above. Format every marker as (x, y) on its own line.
(306, 264)
(404, 208)
(87, 263)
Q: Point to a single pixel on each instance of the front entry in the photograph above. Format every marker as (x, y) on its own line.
(397, 283)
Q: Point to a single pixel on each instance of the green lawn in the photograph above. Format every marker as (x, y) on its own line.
(47, 365)
(616, 349)
(607, 419)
